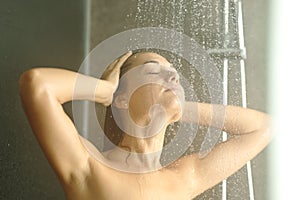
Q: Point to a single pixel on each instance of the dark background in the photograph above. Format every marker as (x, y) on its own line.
(32, 33)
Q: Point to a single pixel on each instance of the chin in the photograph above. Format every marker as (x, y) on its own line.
(175, 119)
(175, 115)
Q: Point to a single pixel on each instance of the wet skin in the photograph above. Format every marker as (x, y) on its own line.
(78, 164)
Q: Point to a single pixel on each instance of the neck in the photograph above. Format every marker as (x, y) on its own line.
(142, 145)
(139, 154)
(142, 142)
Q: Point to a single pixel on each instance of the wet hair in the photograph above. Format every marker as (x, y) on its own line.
(111, 129)
(128, 62)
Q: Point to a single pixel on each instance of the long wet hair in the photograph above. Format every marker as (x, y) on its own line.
(111, 129)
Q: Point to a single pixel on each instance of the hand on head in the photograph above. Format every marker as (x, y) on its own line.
(112, 73)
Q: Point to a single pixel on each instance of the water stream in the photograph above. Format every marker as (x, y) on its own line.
(204, 21)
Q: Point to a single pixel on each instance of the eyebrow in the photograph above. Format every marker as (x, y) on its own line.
(154, 61)
(151, 61)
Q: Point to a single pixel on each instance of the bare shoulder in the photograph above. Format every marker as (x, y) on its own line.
(172, 182)
(105, 182)
(192, 170)
(224, 160)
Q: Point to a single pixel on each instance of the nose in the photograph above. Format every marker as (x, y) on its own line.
(173, 77)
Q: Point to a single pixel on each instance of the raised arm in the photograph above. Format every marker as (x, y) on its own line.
(43, 91)
(249, 133)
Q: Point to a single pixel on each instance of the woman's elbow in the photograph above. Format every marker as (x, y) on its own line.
(269, 127)
(266, 128)
(30, 83)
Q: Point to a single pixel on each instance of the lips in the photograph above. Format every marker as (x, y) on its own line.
(172, 89)
(168, 90)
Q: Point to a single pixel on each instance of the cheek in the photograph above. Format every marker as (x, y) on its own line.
(146, 96)
(143, 98)
(172, 104)
(147, 93)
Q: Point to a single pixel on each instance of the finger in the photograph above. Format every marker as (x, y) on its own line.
(129, 53)
(115, 66)
(112, 65)
(119, 61)
(123, 58)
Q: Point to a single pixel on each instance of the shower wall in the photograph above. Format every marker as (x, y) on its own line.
(32, 33)
(203, 20)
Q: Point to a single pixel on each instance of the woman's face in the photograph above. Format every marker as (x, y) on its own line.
(153, 81)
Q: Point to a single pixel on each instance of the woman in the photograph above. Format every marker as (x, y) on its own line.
(76, 162)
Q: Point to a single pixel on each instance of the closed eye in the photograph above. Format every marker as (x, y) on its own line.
(153, 73)
(151, 61)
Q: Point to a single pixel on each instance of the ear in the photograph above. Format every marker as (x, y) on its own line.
(121, 101)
